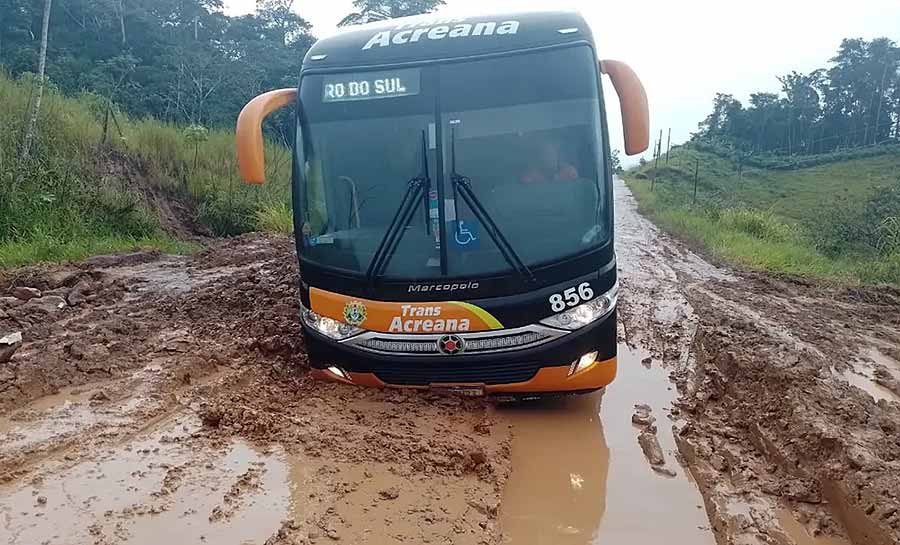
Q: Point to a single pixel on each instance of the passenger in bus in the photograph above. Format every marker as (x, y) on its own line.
(546, 165)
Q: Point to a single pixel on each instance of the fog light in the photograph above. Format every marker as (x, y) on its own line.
(338, 372)
(583, 363)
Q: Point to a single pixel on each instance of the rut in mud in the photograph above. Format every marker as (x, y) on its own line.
(159, 398)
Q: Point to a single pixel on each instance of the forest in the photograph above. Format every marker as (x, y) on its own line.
(181, 61)
(118, 119)
(851, 103)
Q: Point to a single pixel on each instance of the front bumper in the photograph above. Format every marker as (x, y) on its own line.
(541, 369)
(547, 380)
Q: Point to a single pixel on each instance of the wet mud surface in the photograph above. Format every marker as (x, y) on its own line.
(787, 401)
(580, 476)
(167, 399)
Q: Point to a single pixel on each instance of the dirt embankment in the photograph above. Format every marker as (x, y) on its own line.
(176, 210)
(146, 353)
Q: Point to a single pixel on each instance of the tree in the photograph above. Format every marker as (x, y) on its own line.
(15, 17)
(727, 120)
(854, 102)
(379, 10)
(766, 117)
(42, 64)
(804, 107)
(860, 86)
(182, 61)
(615, 164)
(278, 20)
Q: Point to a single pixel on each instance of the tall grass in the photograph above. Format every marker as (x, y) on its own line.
(278, 218)
(77, 196)
(759, 240)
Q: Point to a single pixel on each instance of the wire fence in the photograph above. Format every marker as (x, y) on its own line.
(740, 167)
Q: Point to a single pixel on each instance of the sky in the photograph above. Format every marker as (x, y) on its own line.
(685, 51)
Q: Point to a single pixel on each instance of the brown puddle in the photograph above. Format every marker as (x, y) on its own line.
(155, 490)
(798, 533)
(581, 478)
(54, 416)
(863, 380)
(864, 374)
(557, 490)
(66, 397)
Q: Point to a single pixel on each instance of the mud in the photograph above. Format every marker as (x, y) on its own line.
(778, 390)
(579, 474)
(172, 403)
(157, 398)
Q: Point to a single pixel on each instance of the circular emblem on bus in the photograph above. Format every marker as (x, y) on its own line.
(354, 313)
(451, 345)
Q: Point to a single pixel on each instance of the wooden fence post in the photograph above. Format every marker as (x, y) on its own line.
(696, 177)
(668, 145)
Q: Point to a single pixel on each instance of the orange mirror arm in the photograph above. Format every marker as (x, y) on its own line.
(250, 150)
(633, 102)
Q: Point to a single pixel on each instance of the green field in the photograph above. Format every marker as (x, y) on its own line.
(836, 221)
(154, 185)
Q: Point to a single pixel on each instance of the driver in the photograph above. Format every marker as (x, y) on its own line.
(546, 166)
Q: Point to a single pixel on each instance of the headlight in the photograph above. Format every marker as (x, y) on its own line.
(585, 313)
(326, 326)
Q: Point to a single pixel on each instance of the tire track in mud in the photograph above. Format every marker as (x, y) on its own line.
(784, 447)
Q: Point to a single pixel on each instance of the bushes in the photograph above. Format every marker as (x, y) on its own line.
(872, 231)
(227, 217)
(756, 223)
(275, 218)
(889, 236)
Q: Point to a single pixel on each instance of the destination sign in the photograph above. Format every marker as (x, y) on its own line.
(371, 85)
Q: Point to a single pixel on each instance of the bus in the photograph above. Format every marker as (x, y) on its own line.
(453, 202)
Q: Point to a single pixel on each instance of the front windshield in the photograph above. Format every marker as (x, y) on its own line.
(526, 133)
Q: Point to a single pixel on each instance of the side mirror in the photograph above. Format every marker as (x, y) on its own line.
(250, 151)
(633, 103)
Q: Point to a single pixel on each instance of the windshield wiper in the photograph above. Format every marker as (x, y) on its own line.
(462, 185)
(416, 188)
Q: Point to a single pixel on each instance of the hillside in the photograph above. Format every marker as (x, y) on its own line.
(836, 220)
(150, 184)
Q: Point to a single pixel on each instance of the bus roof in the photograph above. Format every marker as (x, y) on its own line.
(436, 36)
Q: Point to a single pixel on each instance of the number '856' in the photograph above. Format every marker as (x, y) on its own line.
(571, 297)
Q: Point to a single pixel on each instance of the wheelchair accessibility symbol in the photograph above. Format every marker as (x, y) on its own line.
(466, 234)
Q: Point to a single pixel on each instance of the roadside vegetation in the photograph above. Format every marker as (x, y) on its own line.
(836, 221)
(154, 185)
(802, 181)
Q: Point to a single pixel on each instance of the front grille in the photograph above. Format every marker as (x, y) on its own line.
(411, 347)
(450, 370)
(482, 342)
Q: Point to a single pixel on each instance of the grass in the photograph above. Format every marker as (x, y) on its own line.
(278, 218)
(796, 196)
(828, 222)
(78, 196)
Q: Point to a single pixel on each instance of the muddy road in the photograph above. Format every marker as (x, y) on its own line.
(155, 398)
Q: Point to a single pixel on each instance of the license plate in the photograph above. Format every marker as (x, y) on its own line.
(476, 390)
